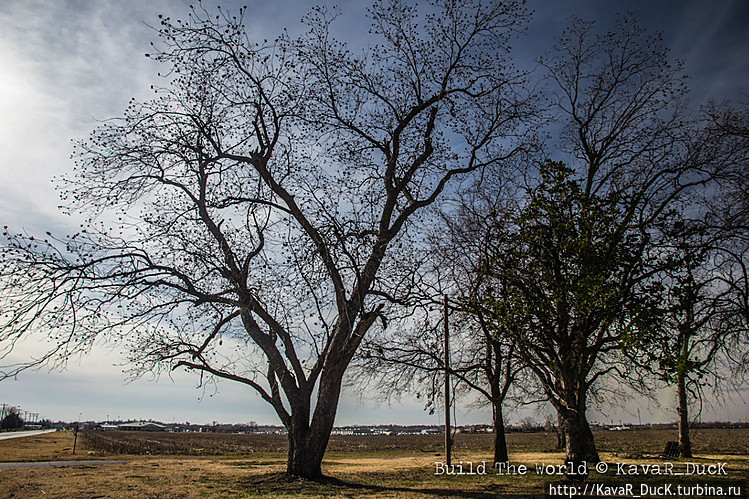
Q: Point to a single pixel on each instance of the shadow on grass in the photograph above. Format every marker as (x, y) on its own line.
(281, 483)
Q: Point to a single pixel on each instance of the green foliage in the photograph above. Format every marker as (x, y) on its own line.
(693, 330)
(566, 265)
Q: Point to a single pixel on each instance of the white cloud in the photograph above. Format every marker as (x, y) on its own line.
(63, 63)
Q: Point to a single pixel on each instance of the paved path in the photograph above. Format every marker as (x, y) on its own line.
(19, 434)
(59, 464)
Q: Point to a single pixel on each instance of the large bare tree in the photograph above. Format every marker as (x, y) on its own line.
(242, 222)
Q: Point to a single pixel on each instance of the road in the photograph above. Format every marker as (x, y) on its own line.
(58, 464)
(19, 434)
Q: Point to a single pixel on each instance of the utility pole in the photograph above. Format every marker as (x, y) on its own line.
(447, 389)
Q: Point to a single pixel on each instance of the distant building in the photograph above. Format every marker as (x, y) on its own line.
(141, 426)
(360, 430)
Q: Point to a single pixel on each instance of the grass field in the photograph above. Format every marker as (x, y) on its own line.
(190, 465)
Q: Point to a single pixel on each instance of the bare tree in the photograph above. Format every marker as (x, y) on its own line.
(698, 325)
(480, 363)
(727, 217)
(256, 201)
(483, 361)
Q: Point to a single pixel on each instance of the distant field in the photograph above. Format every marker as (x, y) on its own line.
(212, 444)
(624, 443)
(195, 465)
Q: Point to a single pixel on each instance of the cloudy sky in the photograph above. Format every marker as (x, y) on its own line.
(64, 64)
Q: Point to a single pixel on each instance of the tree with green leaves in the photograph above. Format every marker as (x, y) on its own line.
(246, 223)
(569, 285)
(583, 254)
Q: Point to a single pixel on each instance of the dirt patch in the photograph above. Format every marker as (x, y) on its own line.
(213, 444)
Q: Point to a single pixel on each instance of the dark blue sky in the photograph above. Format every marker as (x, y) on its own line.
(711, 37)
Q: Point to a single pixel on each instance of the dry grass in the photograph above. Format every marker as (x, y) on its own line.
(647, 442)
(46, 447)
(166, 477)
(375, 467)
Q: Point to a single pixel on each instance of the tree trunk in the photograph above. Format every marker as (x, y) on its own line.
(308, 441)
(306, 451)
(685, 446)
(580, 445)
(500, 442)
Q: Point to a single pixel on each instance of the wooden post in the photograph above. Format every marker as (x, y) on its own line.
(447, 389)
(75, 436)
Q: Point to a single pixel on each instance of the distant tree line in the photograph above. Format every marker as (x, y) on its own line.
(11, 420)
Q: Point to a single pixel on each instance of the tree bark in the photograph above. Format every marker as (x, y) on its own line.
(500, 442)
(308, 441)
(306, 451)
(580, 445)
(685, 446)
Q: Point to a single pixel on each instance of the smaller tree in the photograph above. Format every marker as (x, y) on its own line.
(698, 324)
(706, 285)
(484, 362)
(481, 363)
